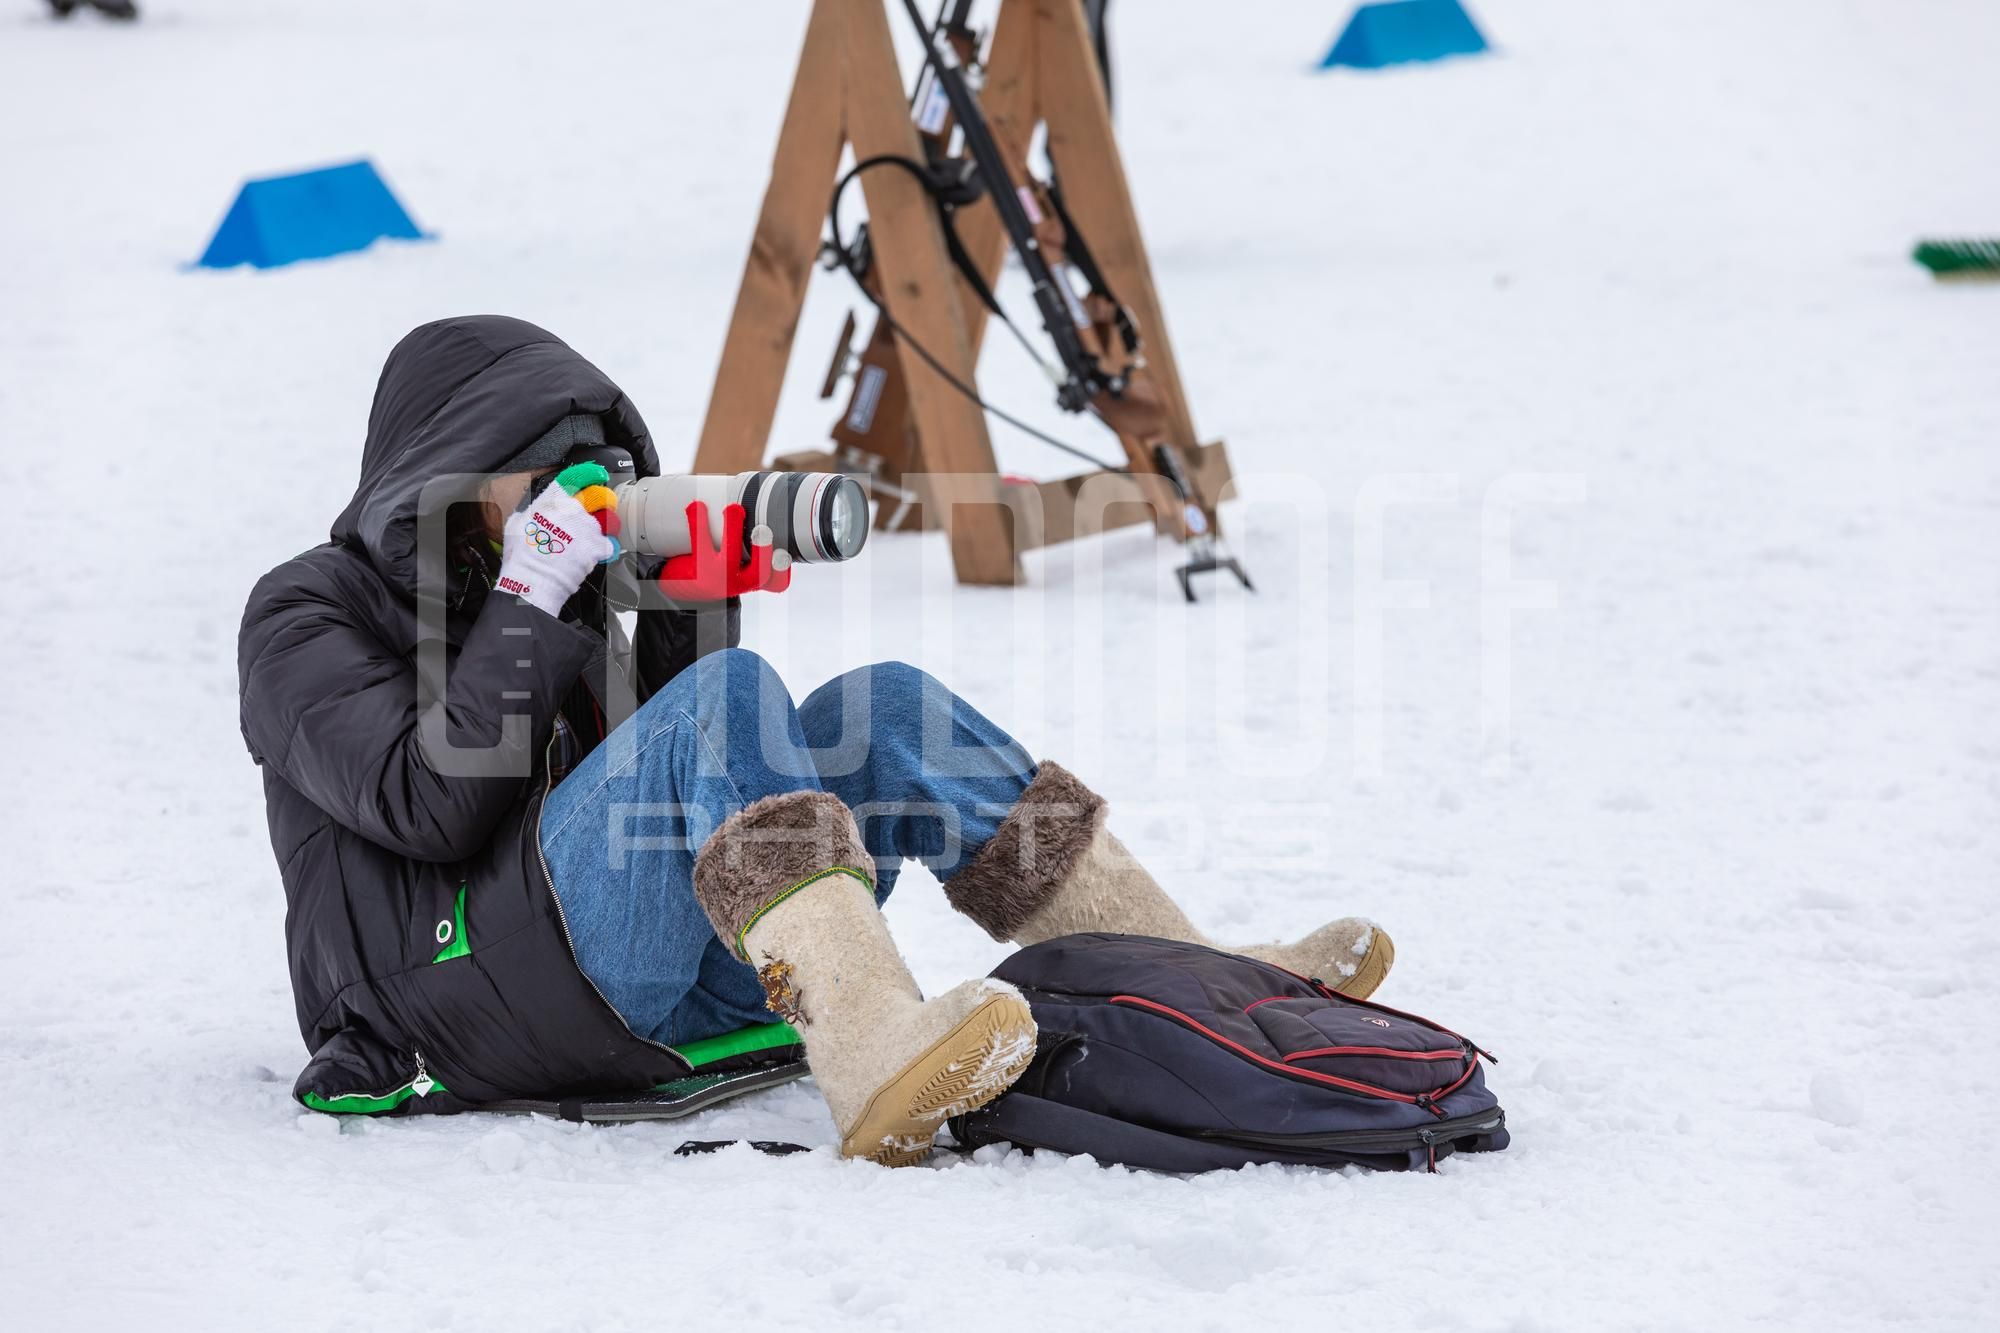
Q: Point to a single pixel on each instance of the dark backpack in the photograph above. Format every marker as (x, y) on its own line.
(1176, 1057)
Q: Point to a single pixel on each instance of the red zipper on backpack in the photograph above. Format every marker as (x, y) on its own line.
(1426, 1100)
(1332, 994)
(1386, 1051)
(1471, 1068)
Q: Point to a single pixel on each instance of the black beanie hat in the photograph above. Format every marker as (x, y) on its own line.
(582, 431)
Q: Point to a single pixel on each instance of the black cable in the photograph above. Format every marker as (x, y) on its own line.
(985, 406)
(845, 258)
(956, 247)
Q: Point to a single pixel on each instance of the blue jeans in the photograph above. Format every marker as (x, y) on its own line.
(926, 775)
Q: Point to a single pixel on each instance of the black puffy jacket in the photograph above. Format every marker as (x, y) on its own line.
(430, 963)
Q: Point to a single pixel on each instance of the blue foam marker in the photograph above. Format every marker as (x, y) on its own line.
(308, 215)
(1395, 32)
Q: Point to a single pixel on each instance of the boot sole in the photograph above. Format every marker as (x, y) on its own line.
(1373, 969)
(962, 1071)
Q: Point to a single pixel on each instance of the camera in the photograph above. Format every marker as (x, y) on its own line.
(810, 516)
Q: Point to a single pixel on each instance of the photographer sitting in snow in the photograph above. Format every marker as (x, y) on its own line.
(452, 784)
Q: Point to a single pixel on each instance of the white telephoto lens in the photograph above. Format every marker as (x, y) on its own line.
(652, 511)
(811, 516)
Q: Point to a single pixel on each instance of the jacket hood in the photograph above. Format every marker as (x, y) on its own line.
(465, 396)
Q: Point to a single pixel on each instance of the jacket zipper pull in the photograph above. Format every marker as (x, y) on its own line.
(422, 1083)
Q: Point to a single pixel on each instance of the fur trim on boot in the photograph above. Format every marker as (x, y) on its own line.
(770, 849)
(1054, 869)
(1031, 857)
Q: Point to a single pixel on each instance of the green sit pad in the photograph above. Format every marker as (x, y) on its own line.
(759, 1037)
(669, 1101)
(747, 1060)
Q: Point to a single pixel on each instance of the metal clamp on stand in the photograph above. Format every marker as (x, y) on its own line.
(1204, 544)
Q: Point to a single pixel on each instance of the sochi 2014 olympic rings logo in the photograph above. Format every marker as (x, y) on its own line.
(545, 541)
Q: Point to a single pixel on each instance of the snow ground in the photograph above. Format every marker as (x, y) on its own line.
(1705, 850)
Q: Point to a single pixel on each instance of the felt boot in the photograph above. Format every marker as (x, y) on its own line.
(785, 883)
(1054, 869)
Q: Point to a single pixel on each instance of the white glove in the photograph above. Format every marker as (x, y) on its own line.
(550, 548)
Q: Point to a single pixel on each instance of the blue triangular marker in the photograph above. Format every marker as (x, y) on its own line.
(1396, 31)
(308, 215)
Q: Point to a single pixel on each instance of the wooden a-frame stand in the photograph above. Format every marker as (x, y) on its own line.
(1041, 69)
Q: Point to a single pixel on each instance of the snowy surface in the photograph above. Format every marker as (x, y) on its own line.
(1692, 822)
